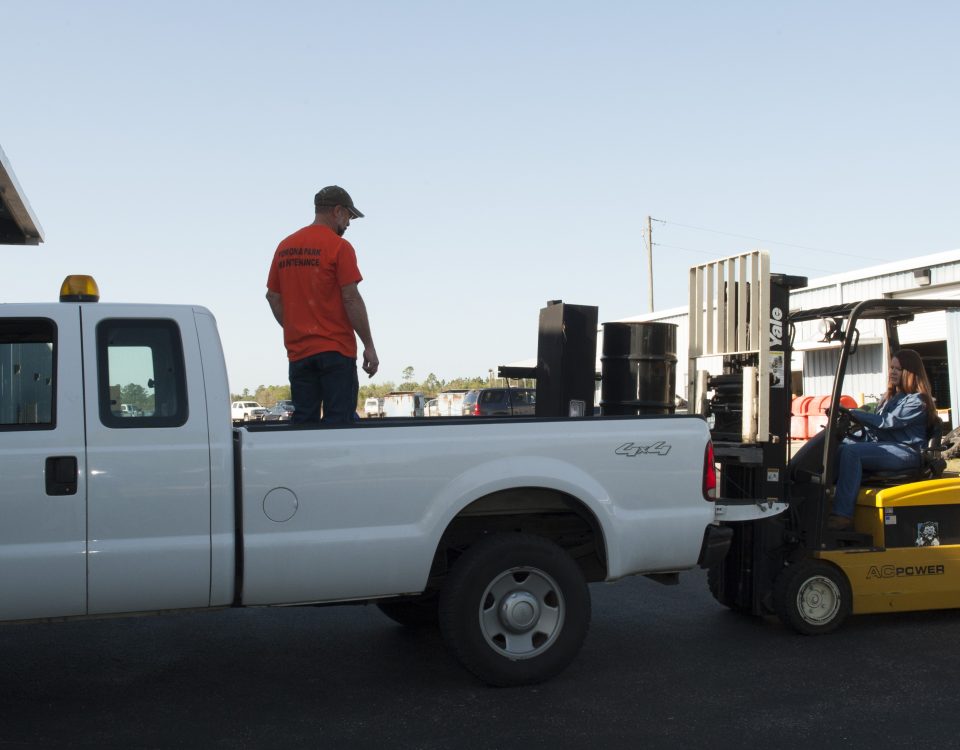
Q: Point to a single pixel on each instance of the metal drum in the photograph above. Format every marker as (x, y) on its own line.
(638, 368)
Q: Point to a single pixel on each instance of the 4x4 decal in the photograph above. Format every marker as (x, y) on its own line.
(656, 449)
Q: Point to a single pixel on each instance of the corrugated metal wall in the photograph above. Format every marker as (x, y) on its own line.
(866, 372)
(953, 356)
(683, 344)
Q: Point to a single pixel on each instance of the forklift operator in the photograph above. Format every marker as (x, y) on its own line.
(892, 439)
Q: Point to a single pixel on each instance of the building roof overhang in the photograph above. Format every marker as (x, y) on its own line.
(18, 225)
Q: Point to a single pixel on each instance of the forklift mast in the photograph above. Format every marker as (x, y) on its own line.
(739, 370)
(739, 380)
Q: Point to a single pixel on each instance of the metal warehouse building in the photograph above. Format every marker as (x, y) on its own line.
(935, 336)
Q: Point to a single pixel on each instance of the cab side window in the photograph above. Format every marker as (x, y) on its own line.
(141, 377)
(27, 374)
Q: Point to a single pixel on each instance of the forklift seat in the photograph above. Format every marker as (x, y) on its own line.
(932, 463)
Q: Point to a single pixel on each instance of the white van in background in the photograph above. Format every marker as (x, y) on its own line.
(450, 403)
(373, 408)
(403, 404)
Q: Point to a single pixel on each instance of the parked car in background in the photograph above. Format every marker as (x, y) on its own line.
(281, 412)
(247, 411)
(501, 402)
(373, 407)
(469, 403)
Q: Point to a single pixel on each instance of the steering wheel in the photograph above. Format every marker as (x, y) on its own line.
(848, 425)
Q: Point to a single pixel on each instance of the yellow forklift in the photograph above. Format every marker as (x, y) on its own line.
(903, 552)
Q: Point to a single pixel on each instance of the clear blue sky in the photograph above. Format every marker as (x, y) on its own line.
(505, 153)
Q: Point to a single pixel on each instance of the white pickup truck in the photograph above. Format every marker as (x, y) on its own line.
(247, 411)
(491, 528)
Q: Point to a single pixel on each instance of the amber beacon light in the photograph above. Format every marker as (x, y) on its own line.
(79, 288)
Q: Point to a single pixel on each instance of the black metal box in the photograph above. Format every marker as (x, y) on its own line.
(566, 360)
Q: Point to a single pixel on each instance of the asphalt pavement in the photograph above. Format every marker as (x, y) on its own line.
(662, 667)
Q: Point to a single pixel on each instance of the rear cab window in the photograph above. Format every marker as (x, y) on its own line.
(27, 374)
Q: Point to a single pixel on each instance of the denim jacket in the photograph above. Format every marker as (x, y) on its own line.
(901, 419)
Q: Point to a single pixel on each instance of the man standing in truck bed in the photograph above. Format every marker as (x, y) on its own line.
(312, 291)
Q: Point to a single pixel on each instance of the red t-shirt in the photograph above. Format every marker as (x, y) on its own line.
(308, 270)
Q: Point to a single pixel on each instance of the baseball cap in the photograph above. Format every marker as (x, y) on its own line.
(334, 195)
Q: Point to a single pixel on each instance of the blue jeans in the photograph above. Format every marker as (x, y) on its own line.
(854, 457)
(328, 379)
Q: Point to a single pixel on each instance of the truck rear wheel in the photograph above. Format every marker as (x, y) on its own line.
(812, 597)
(515, 609)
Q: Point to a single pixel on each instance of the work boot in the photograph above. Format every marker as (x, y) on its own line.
(839, 523)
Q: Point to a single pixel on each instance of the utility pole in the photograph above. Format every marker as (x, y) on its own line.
(650, 257)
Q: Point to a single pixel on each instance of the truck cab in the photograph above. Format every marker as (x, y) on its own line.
(106, 530)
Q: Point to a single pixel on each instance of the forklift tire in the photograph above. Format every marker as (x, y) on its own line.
(812, 597)
(714, 578)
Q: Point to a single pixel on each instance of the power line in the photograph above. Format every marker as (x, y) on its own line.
(770, 242)
(714, 253)
(688, 249)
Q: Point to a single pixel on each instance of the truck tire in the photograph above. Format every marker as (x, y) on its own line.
(515, 609)
(415, 612)
(812, 597)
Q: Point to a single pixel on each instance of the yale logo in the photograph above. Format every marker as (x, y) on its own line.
(894, 571)
(776, 327)
(657, 449)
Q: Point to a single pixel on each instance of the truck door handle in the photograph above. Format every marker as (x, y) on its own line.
(61, 475)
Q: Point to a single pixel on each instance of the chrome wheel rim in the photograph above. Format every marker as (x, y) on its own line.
(818, 600)
(521, 613)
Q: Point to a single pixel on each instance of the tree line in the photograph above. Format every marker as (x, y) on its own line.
(265, 395)
(135, 395)
(430, 386)
(268, 395)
